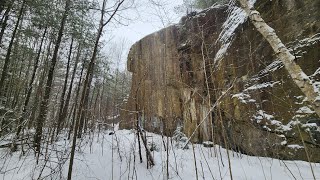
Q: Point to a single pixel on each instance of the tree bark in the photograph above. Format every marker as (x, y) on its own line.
(40, 85)
(145, 143)
(45, 102)
(4, 21)
(62, 98)
(75, 104)
(29, 91)
(14, 87)
(86, 85)
(84, 105)
(3, 3)
(294, 70)
(7, 58)
(66, 105)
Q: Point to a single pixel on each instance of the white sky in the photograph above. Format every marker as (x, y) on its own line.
(145, 19)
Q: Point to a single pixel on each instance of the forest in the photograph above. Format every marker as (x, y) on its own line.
(155, 89)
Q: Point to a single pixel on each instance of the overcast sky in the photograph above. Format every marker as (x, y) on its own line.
(142, 20)
(146, 19)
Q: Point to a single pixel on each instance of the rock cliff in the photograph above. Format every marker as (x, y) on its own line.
(214, 73)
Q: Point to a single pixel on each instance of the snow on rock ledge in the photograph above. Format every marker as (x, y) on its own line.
(170, 89)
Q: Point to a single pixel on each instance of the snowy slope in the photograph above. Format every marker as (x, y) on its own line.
(98, 157)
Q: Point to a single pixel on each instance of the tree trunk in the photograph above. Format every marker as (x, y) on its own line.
(145, 143)
(94, 111)
(66, 105)
(75, 104)
(7, 58)
(29, 91)
(84, 106)
(294, 70)
(4, 21)
(16, 87)
(40, 85)
(86, 85)
(45, 102)
(62, 99)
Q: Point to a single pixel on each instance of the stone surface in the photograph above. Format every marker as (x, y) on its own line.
(176, 81)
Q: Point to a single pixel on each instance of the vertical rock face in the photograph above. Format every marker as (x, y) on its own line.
(181, 72)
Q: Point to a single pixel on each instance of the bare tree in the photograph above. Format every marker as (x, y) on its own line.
(86, 85)
(5, 19)
(7, 59)
(63, 115)
(45, 101)
(28, 95)
(62, 98)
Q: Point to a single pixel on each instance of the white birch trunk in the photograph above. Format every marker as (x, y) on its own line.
(294, 70)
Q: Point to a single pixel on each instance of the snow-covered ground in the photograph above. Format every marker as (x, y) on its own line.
(103, 156)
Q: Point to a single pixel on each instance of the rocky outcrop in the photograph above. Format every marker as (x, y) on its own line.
(217, 61)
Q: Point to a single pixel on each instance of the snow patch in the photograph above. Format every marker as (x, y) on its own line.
(236, 17)
(283, 143)
(263, 85)
(244, 96)
(297, 46)
(304, 110)
(295, 146)
(98, 157)
(275, 65)
(260, 115)
(309, 125)
(279, 126)
(113, 117)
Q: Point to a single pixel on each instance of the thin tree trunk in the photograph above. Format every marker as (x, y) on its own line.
(75, 104)
(73, 148)
(95, 113)
(66, 105)
(4, 21)
(2, 3)
(39, 90)
(84, 106)
(90, 109)
(102, 100)
(24, 84)
(29, 91)
(148, 152)
(7, 58)
(62, 99)
(45, 102)
(86, 85)
(294, 70)
(16, 87)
